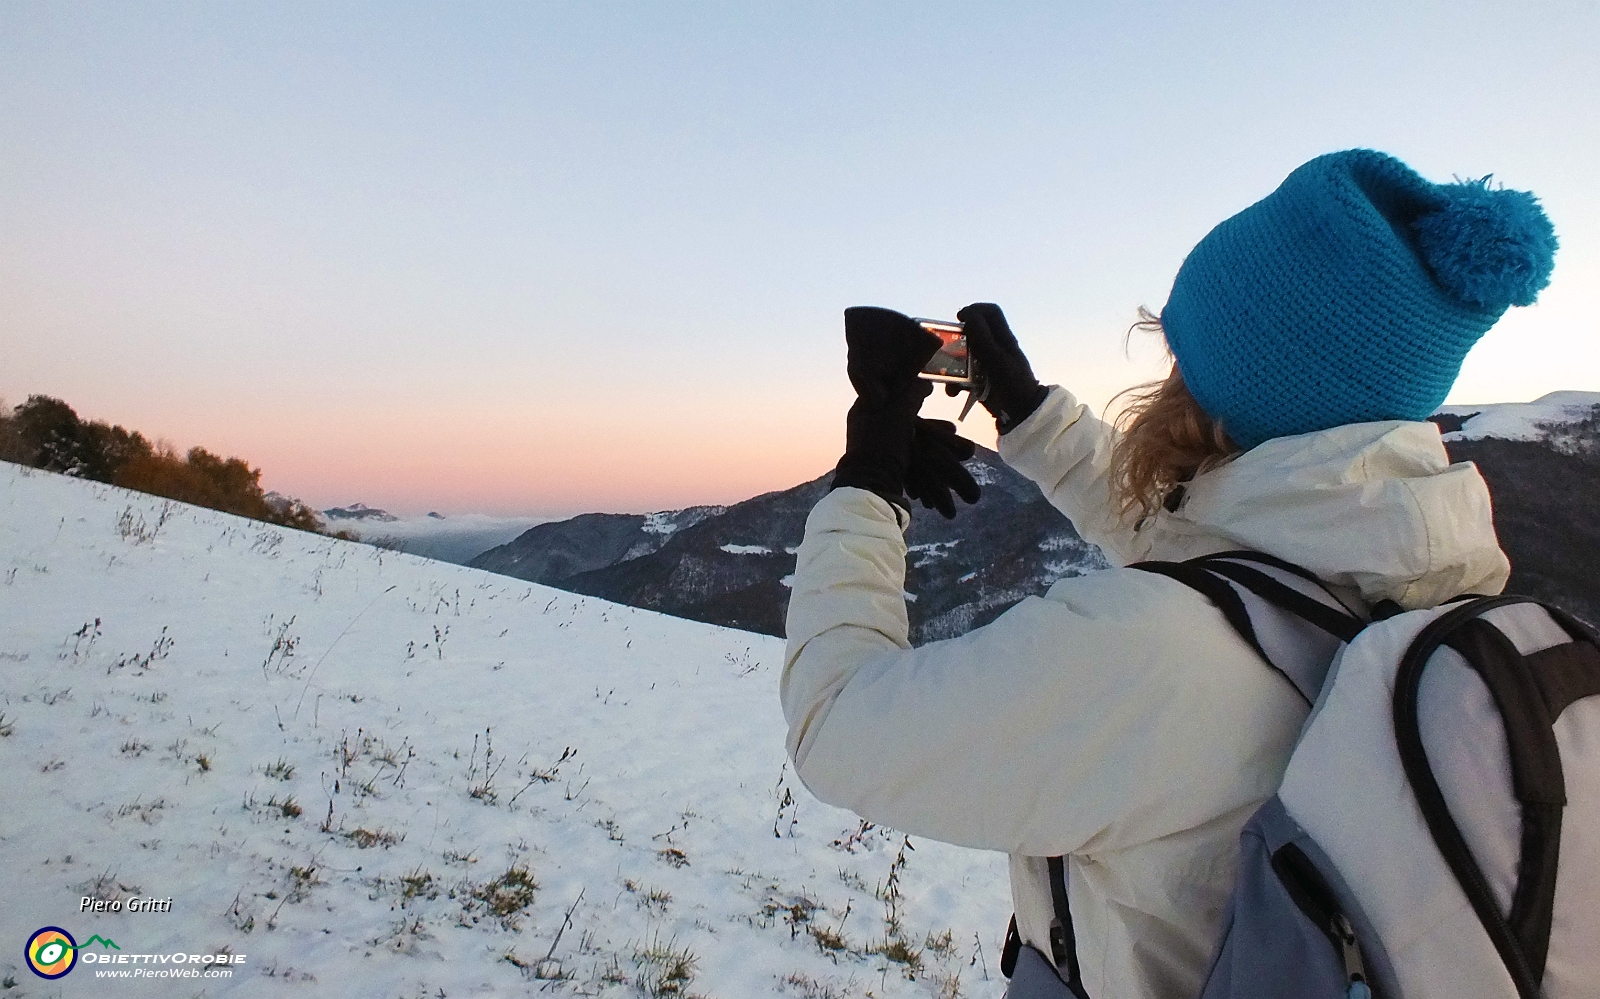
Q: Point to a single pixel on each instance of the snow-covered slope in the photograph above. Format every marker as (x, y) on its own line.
(1521, 421)
(350, 766)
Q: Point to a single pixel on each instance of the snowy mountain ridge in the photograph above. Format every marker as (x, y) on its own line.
(1519, 421)
(731, 565)
(368, 773)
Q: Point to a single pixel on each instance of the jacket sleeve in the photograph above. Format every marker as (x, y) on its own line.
(1076, 721)
(1066, 450)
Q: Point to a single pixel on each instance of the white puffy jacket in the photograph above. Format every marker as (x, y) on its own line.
(1118, 719)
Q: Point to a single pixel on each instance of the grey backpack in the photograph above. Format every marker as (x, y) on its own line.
(1437, 831)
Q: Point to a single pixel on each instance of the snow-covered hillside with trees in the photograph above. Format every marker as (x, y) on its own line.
(376, 775)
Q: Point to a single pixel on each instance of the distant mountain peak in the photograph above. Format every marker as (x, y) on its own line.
(359, 511)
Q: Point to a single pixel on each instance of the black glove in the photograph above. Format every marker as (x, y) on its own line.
(887, 349)
(935, 469)
(1013, 392)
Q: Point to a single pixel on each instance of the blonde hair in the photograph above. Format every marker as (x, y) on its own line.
(1166, 439)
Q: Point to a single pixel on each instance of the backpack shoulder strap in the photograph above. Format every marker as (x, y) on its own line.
(1314, 603)
(1064, 967)
(1063, 938)
(1283, 612)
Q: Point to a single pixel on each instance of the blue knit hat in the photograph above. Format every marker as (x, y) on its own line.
(1352, 293)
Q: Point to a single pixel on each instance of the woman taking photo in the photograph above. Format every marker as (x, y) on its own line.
(1119, 721)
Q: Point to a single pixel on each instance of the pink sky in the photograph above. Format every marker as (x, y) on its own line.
(535, 260)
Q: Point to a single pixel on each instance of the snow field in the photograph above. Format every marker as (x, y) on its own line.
(377, 775)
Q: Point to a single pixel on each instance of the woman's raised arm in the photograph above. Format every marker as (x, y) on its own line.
(1066, 450)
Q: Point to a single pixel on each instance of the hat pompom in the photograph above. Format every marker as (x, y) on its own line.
(1489, 247)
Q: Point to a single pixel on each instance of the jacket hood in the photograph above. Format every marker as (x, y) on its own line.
(1376, 507)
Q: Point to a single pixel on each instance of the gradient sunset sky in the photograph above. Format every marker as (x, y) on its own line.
(549, 258)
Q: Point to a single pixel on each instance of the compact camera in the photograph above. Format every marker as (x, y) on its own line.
(953, 363)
